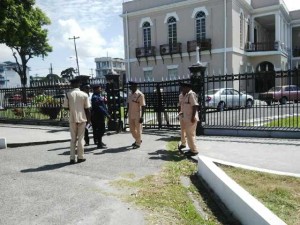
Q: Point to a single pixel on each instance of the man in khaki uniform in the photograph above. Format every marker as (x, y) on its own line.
(135, 109)
(79, 106)
(182, 128)
(190, 117)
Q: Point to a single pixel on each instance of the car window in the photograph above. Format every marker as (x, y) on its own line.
(212, 92)
(275, 89)
(228, 92)
(235, 92)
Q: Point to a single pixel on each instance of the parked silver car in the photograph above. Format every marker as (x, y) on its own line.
(225, 98)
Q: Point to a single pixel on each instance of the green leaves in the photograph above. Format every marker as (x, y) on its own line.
(22, 29)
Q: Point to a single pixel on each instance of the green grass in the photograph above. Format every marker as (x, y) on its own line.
(293, 121)
(281, 194)
(164, 198)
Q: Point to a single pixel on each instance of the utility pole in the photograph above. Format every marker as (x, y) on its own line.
(74, 38)
(92, 73)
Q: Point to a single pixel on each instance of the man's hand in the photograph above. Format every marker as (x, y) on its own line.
(141, 120)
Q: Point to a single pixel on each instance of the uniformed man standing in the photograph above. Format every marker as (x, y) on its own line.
(182, 144)
(99, 113)
(86, 88)
(190, 117)
(135, 110)
(79, 106)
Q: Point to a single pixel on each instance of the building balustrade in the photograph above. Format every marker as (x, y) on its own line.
(263, 46)
(203, 44)
(145, 51)
(170, 49)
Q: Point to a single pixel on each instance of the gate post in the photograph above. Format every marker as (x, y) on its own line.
(197, 80)
(113, 102)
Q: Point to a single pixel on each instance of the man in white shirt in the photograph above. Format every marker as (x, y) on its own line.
(79, 106)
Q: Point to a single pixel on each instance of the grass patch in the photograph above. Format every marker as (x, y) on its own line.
(293, 121)
(166, 200)
(281, 194)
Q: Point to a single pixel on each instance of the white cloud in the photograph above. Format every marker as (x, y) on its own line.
(5, 53)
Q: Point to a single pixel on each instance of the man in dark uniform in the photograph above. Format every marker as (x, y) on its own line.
(86, 88)
(99, 113)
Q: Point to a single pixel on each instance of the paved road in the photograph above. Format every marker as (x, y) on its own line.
(38, 186)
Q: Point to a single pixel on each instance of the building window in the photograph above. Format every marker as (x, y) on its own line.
(173, 74)
(172, 32)
(147, 34)
(241, 30)
(200, 26)
(148, 75)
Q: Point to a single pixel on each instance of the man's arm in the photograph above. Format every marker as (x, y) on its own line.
(88, 114)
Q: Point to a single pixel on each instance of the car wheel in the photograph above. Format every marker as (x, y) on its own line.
(221, 106)
(268, 102)
(283, 100)
(249, 103)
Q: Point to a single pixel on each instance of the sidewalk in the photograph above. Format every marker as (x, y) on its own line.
(265, 153)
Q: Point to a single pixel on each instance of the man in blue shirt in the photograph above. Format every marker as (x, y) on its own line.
(99, 113)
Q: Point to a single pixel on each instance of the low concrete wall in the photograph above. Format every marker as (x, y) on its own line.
(244, 206)
(251, 133)
(3, 143)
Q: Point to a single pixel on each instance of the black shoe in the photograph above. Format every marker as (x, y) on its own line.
(86, 144)
(81, 160)
(101, 146)
(189, 153)
(135, 143)
(104, 145)
(72, 161)
(180, 147)
(136, 146)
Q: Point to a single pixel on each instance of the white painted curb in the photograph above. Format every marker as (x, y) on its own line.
(245, 207)
(3, 143)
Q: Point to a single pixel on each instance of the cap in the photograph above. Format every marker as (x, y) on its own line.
(132, 83)
(185, 84)
(94, 86)
(85, 85)
(74, 81)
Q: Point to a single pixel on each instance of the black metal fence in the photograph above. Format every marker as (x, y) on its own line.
(264, 100)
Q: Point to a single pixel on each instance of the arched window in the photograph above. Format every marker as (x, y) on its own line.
(147, 34)
(241, 30)
(172, 31)
(200, 26)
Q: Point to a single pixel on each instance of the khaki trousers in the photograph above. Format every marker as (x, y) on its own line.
(136, 130)
(190, 129)
(182, 132)
(77, 134)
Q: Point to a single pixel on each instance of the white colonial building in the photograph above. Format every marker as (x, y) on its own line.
(235, 36)
(105, 65)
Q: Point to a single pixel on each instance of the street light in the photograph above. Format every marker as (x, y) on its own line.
(74, 38)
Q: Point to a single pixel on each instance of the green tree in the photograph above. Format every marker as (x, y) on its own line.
(68, 73)
(22, 29)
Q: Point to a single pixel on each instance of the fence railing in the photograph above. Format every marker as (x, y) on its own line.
(264, 100)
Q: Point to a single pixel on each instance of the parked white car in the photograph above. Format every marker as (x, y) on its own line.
(225, 98)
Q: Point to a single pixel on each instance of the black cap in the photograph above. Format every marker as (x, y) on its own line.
(132, 83)
(94, 86)
(85, 85)
(185, 84)
(74, 81)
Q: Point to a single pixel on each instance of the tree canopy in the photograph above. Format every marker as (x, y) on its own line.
(22, 29)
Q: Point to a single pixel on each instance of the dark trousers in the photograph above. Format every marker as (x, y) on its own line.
(86, 136)
(98, 129)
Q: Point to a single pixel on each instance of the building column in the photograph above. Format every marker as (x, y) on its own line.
(278, 29)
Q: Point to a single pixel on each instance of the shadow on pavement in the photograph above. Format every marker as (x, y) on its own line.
(46, 167)
(114, 150)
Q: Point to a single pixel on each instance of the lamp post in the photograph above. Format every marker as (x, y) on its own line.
(74, 38)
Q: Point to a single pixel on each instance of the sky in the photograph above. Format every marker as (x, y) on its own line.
(99, 27)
